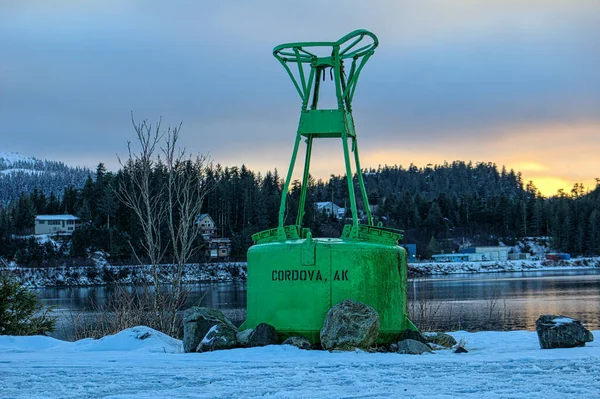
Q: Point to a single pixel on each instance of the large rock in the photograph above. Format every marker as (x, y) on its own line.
(441, 339)
(411, 347)
(220, 336)
(561, 332)
(411, 334)
(350, 325)
(197, 322)
(299, 342)
(243, 337)
(264, 334)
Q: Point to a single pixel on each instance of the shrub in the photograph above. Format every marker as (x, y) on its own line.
(21, 312)
(127, 308)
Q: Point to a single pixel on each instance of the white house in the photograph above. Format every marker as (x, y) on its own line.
(493, 253)
(329, 208)
(208, 228)
(55, 224)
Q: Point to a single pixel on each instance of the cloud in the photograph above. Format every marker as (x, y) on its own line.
(448, 79)
(554, 156)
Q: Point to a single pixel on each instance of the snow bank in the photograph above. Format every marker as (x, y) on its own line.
(498, 365)
(138, 339)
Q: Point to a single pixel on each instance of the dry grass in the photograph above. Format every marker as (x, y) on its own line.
(449, 315)
(126, 309)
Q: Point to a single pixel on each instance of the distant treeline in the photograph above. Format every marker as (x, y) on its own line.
(438, 207)
(23, 176)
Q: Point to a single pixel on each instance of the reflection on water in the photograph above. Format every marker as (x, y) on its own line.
(513, 300)
(219, 295)
(472, 301)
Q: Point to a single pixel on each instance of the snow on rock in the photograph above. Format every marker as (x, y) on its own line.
(561, 332)
(210, 335)
(561, 320)
(498, 365)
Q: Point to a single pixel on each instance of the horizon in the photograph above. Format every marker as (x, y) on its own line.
(509, 82)
(297, 175)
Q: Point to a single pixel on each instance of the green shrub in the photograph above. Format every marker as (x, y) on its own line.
(21, 312)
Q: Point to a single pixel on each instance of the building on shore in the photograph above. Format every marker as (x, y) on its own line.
(475, 254)
(56, 224)
(218, 248)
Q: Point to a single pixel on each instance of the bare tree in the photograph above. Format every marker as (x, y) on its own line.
(186, 189)
(138, 193)
(174, 202)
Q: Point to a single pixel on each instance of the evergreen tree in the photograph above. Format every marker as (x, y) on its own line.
(21, 312)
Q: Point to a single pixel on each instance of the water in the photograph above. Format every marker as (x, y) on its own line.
(471, 302)
(509, 301)
(219, 295)
(74, 302)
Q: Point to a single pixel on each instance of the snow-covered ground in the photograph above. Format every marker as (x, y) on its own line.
(102, 274)
(142, 363)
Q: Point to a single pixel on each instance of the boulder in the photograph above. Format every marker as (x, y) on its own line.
(411, 334)
(220, 336)
(264, 334)
(197, 321)
(441, 339)
(243, 337)
(299, 342)
(411, 347)
(350, 325)
(561, 332)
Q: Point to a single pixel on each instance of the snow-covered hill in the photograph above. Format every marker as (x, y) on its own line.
(20, 174)
(9, 158)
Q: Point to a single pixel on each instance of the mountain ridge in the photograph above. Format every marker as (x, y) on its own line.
(22, 175)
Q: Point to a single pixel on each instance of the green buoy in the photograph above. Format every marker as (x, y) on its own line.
(293, 278)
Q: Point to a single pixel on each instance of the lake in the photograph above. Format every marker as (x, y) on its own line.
(451, 302)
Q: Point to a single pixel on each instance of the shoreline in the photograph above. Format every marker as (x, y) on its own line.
(105, 274)
(424, 269)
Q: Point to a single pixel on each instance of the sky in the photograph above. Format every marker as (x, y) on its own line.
(513, 82)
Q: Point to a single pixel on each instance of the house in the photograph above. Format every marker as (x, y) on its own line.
(486, 253)
(493, 253)
(219, 248)
(208, 228)
(55, 224)
(329, 208)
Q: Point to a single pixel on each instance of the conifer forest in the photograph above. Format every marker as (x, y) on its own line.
(438, 207)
